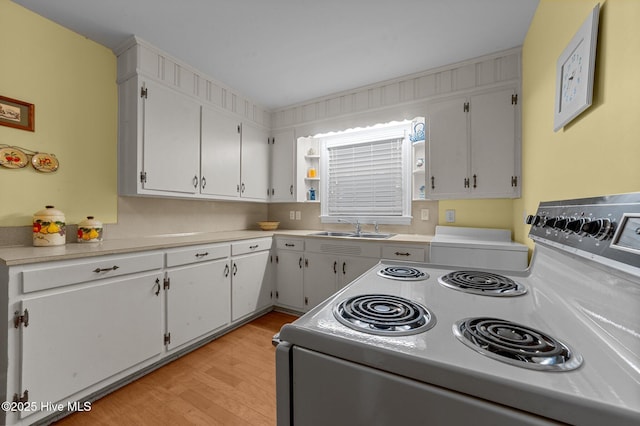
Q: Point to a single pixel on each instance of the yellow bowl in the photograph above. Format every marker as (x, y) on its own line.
(268, 226)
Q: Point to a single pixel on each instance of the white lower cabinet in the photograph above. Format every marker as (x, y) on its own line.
(327, 273)
(289, 273)
(62, 339)
(198, 293)
(251, 283)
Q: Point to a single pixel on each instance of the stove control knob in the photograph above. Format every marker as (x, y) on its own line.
(561, 223)
(575, 225)
(600, 229)
(533, 220)
(550, 222)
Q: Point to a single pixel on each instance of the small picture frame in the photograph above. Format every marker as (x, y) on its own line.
(575, 71)
(17, 114)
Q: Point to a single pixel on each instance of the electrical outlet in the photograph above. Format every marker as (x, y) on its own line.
(298, 215)
(450, 216)
(292, 215)
(424, 214)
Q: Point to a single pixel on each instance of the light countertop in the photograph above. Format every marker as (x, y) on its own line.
(20, 255)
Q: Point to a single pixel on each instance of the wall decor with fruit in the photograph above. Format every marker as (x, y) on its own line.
(15, 157)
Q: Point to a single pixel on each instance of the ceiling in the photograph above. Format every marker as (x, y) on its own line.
(284, 52)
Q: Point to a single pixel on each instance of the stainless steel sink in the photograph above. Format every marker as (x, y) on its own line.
(380, 236)
(334, 234)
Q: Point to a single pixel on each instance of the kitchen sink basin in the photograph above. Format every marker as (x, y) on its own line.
(334, 234)
(380, 236)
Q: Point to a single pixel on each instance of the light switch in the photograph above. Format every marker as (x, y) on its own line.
(450, 216)
(424, 214)
(292, 215)
(298, 215)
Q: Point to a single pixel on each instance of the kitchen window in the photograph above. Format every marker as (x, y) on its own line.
(367, 175)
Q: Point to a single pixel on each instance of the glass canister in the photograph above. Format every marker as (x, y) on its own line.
(49, 227)
(89, 230)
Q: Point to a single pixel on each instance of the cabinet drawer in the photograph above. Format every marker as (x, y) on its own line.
(57, 274)
(197, 254)
(250, 246)
(294, 244)
(416, 254)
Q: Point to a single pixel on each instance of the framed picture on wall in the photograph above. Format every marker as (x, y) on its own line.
(575, 72)
(18, 114)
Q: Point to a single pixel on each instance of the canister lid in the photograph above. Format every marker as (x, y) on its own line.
(90, 222)
(49, 211)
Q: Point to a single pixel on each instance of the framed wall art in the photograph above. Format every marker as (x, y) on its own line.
(18, 114)
(575, 72)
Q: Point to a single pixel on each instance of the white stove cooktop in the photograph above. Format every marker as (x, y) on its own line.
(605, 332)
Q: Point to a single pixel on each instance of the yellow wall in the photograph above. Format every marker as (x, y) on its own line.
(598, 153)
(72, 83)
(71, 80)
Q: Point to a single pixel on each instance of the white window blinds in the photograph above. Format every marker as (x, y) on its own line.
(365, 179)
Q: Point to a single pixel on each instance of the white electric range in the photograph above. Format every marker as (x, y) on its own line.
(413, 343)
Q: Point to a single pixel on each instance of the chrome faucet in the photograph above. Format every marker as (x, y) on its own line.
(356, 224)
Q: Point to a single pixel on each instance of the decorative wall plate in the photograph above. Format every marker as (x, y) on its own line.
(45, 162)
(13, 158)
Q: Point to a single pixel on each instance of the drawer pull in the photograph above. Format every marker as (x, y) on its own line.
(398, 253)
(158, 284)
(206, 253)
(113, 268)
(289, 245)
(254, 247)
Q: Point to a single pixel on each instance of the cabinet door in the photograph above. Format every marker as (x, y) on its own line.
(352, 267)
(78, 337)
(255, 163)
(283, 158)
(198, 300)
(290, 276)
(493, 143)
(220, 160)
(250, 284)
(320, 276)
(171, 140)
(448, 149)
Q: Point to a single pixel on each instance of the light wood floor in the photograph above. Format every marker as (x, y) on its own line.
(230, 381)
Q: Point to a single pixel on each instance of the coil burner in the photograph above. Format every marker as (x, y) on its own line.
(384, 314)
(485, 283)
(404, 273)
(516, 344)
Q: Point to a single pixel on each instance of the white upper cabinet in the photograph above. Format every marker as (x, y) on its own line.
(448, 149)
(254, 170)
(283, 159)
(474, 150)
(171, 140)
(182, 135)
(220, 160)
